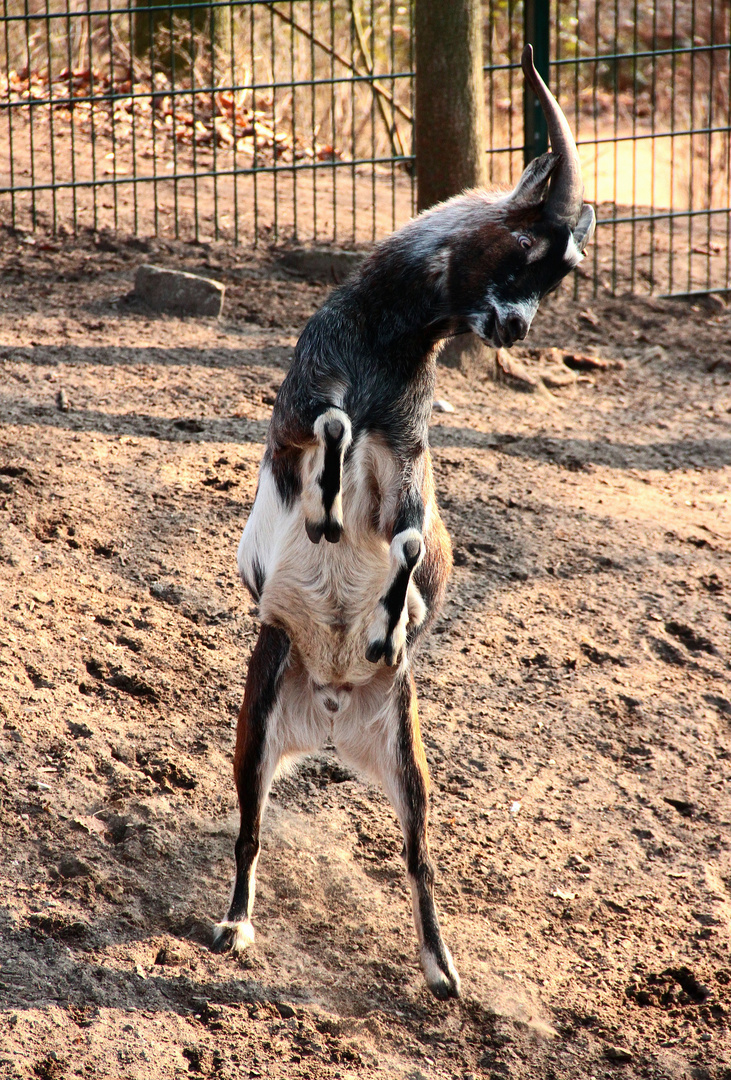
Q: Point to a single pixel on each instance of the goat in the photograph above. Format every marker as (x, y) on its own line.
(347, 459)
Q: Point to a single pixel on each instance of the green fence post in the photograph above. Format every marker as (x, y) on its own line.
(536, 22)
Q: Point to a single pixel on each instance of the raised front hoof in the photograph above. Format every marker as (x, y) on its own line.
(334, 431)
(375, 651)
(232, 936)
(441, 975)
(390, 653)
(331, 530)
(314, 532)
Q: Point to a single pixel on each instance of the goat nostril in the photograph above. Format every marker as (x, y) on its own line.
(516, 327)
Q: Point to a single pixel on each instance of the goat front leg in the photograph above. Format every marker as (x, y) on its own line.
(255, 761)
(400, 605)
(322, 476)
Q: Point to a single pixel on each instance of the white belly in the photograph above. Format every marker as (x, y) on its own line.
(323, 595)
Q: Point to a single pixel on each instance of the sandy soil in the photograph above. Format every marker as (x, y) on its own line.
(574, 700)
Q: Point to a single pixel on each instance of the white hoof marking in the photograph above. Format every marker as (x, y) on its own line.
(243, 934)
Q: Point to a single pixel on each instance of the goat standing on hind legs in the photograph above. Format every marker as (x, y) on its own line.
(347, 459)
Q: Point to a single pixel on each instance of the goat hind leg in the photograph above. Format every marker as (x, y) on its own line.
(406, 779)
(255, 762)
(321, 489)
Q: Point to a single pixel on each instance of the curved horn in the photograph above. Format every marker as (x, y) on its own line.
(566, 194)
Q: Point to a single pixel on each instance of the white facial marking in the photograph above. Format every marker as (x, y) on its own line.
(572, 255)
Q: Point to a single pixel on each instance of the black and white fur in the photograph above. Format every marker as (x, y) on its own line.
(347, 462)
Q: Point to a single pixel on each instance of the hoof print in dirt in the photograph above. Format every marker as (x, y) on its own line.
(693, 641)
(671, 988)
(667, 652)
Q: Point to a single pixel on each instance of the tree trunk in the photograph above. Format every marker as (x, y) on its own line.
(168, 40)
(450, 105)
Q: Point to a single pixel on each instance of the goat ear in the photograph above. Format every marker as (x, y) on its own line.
(530, 190)
(585, 227)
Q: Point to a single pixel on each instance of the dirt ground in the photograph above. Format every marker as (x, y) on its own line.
(574, 701)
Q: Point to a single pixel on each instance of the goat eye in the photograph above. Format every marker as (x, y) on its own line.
(525, 242)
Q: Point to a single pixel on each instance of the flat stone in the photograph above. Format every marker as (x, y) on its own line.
(178, 292)
(618, 1053)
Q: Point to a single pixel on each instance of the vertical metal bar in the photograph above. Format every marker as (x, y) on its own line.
(333, 133)
(313, 106)
(52, 148)
(727, 36)
(295, 169)
(491, 92)
(353, 123)
(112, 106)
(153, 120)
(412, 170)
(671, 221)
(709, 155)
(275, 221)
(275, 177)
(577, 105)
(633, 214)
(31, 118)
(691, 137)
(392, 18)
(193, 102)
(509, 58)
(13, 217)
(653, 145)
(193, 99)
(234, 85)
(133, 126)
(254, 159)
(92, 129)
(536, 15)
(174, 127)
(615, 51)
(595, 115)
(212, 16)
(373, 140)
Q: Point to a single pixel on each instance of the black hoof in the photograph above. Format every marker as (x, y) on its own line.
(375, 651)
(333, 531)
(334, 433)
(443, 991)
(314, 532)
(223, 939)
(412, 551)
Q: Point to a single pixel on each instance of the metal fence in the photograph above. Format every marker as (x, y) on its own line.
(292, 120)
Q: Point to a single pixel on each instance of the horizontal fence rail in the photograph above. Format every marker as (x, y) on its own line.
(226, 120)
(291, 120)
